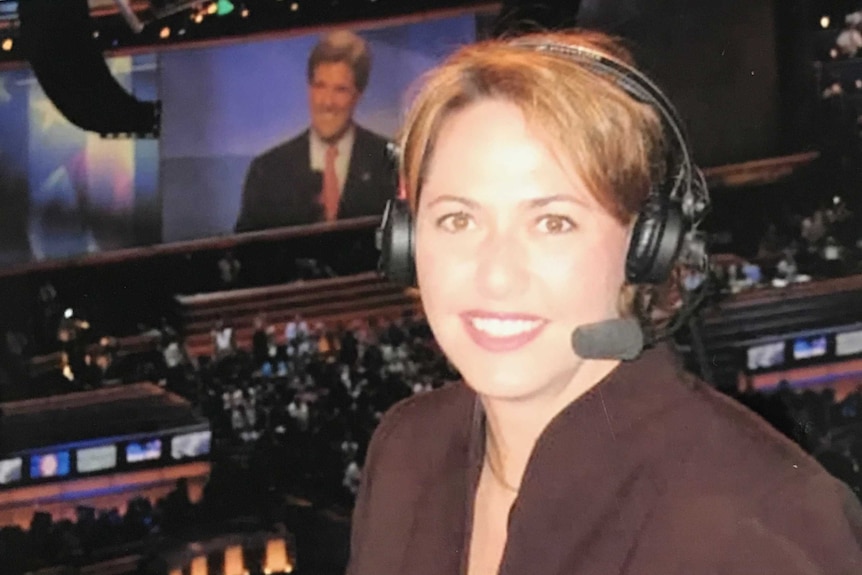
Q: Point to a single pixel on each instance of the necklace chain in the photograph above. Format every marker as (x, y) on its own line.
(498, 476)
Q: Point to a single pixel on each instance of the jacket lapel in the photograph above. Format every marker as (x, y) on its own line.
(359, 176)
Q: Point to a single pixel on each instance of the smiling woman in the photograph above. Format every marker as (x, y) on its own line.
(545, 178)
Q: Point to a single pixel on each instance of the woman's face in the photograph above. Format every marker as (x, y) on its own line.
(512, 254)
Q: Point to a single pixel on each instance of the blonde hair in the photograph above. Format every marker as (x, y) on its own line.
(614, 142)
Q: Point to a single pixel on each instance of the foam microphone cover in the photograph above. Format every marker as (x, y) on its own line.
(611, 339)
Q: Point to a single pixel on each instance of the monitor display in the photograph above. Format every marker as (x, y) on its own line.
(766, 356)
(49, 465)
(10, 470)
(191, 444)
(848, 343)
(96, 458)
(808, 347)
(242, 162)
(234, 150)
(144, 451)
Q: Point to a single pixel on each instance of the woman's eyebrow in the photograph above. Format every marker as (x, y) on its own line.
(530, 203)
(545, 200)
(450, 198)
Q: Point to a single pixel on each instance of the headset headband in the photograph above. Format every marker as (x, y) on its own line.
(643, 89)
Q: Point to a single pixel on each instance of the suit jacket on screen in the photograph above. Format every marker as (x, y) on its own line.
(281, 189)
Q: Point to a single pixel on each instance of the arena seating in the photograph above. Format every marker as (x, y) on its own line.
(331, 300)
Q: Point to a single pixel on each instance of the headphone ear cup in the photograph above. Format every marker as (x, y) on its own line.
(656, 240)
(394, 239)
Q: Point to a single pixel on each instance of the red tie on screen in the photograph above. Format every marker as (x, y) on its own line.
(329, 194)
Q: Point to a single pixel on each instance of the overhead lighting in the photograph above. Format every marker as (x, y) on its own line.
(224, 7)
(7, 45)
(129, 16)
(165, 8)
(165, 33)
(824, 22)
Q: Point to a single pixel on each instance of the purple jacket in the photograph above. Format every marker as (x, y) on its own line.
(650, 473)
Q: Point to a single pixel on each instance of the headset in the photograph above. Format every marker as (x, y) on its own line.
(666, 227)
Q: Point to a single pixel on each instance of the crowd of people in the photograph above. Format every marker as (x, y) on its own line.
(826, 427)
(825, 243)
(95, 534)
(294, 419)
(309, 405)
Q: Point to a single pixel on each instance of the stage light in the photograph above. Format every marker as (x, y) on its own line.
(824, 22)
(244, 13)
(7, 45)
(224, 7)
(212, 8)
(198, 18)
(165, 33)
(294, 7)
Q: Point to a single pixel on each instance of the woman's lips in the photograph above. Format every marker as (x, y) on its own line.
(500, 332)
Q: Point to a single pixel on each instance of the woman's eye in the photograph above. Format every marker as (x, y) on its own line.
(455, 222)
(553, 224)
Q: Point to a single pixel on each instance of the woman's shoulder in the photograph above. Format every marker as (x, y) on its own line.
(442, 410)
(733, 478)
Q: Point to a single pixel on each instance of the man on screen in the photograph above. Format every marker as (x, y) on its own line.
(335, 169)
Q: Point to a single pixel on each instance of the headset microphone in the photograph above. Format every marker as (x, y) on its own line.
(611, 339)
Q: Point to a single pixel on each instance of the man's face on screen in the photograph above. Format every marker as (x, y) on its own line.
(332, 97)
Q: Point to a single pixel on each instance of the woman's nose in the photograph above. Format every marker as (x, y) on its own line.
(502, 270)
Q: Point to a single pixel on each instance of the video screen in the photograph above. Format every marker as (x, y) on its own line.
(809, 347)
(93, 459)
(244, 125)
(10, 470)
(66, 192)
(191, 444)
(848, 343)
(766, 356)
(144, 451)
(244, 133)
(49, 465)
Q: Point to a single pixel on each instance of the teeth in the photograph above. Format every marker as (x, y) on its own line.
(504, 327)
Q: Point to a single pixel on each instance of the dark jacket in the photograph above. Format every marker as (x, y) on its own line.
(281, 189)
(649, 473)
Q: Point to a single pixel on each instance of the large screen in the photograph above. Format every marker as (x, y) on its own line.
(240, 123)
(49, 465)
(809, 347)
(848, 343)
(10, 470)
(96, 458)
(66, 192)
(766, 355)
(245, 129)
(138, 451)
(191, 444)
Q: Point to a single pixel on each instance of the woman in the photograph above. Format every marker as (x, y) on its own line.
(525, 170)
